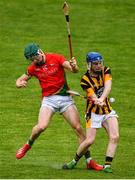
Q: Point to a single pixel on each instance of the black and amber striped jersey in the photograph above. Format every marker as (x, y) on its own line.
(95, 85)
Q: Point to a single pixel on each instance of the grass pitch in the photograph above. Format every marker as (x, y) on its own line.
(106, 26)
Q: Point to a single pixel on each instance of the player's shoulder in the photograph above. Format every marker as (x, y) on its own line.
(55, 58)
(31, 67)
(86, 74)
(106, 69)
(53, 55)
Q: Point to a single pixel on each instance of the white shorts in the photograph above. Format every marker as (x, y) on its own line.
(97, 120)
(57, 102)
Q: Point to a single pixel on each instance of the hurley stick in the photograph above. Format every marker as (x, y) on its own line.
(66, 13)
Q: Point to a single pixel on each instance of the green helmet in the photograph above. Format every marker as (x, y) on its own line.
(31, 50)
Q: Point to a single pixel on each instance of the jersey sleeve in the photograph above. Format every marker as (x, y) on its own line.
(84, 83)
(107, 74)
(61, 59)
(30, 70)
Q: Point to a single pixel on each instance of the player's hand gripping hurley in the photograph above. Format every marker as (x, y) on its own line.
(75, 93)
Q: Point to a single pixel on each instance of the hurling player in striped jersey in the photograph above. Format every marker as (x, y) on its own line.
(97, 83)
(49, 69)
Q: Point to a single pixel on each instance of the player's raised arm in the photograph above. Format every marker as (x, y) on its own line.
(22, 81)
(71, 65)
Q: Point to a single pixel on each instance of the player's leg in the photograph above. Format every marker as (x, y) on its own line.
(82, 149)
(74, 121)
(44, 118)
(72, 117)
(90, 138)
(112, 129)
(45, 115)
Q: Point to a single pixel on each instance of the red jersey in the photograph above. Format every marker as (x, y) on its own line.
(51, 75)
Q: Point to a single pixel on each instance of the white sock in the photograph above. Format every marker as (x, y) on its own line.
(88, 159)
(107, 165)
(74, 161)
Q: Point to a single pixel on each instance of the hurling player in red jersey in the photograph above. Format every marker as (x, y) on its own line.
(48, 68)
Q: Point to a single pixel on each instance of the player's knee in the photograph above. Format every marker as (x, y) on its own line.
(79, 131)
(114, 138)
(89, 141)
(78, 128)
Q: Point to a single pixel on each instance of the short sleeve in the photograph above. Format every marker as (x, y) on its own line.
(85, 82)
(107, 74)
(30, 70)
(61, 59)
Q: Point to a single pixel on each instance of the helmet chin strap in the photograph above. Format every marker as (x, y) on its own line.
(89, 66)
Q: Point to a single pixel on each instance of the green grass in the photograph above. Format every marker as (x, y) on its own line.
(106, 26)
